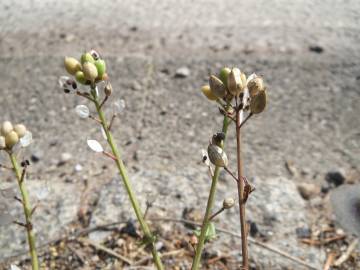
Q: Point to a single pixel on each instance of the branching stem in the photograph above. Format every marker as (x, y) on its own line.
(27, 211)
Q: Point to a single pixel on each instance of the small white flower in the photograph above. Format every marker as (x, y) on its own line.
(205, 157)
(103, 133)
(119, 106)
(95, 146)
(82, 111)
(14, 267)
(26, 140)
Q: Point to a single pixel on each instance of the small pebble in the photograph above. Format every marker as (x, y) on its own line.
(335, 178)
(308, 190)
(182, 72)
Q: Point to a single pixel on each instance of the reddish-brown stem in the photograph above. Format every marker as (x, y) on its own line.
(247, 118)
(244, 250)
(232, 175)
(103, 102)
(109, 155)
(111, 121)
(216, 213)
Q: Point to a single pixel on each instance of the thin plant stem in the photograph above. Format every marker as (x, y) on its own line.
(209, 206)
(123, 172)
(240, 183)
(27, 212)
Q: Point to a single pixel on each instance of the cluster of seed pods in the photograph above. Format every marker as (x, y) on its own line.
(11, 135)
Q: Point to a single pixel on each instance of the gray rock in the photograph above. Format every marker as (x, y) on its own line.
(182, 72)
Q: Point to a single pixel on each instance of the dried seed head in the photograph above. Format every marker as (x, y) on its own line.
(217, 156)
(108, 89)
(11, 139)
(101, 68)
(255, 86)
(258, 102)
(224, 74)
(243, 78)
(2, 142)
(228, 203)
(72, 65)
(208, 93)
(90, 71)
(87, 57)
(234, 84)
(217, 86)
(6, 127)
(20, 129)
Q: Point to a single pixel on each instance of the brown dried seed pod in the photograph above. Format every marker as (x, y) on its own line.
(217, 86)
(11, 139)
(217, 156)
(108, 89)
(234, 82)
(20, 129)
(255, 86)
(258, 102)
(228, 203)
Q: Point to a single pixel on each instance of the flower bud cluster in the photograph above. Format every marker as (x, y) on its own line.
(232, 83)
(89, 69)
(10, 135)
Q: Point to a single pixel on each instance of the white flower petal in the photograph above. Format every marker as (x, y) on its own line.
(26, 140)
(82, 111)
(119, 106)
(103, 133)
(62, 81)
(95, 146)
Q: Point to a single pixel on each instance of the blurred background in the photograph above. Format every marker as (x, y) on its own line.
(158, 55)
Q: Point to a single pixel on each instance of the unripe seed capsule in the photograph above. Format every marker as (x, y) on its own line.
(72, 65)
(228, 203)
(79, 76)
(217, 86)
(11, 139)
(6, 127)
(101, 67)
(20, 130)
(224, 73)
(87, 57)
(208, 93)
(90, 71)
(217, 156)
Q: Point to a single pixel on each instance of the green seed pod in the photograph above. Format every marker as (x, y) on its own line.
(90, 71)
(11, 139)
(20, 130)
(2, 142)
(255, 86)
(223, 75)
(72, 65)
(217, 86)
(217, 156)
(234, 83)
(101, 67)
(108, 89)
(6, 127)
(228, 203)
(258, 102)
(208, 93)
(87, 57)
(79, 76)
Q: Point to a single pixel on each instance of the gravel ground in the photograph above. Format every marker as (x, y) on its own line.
(307, 51)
